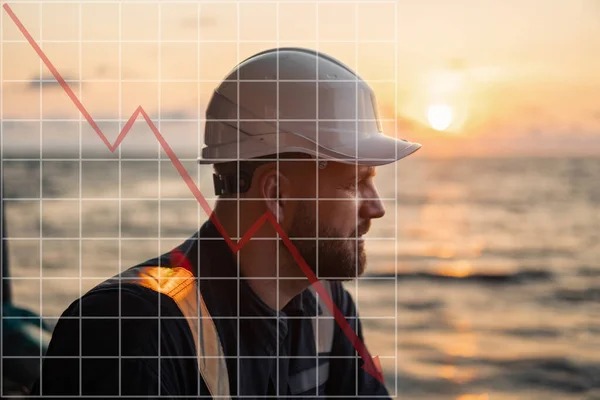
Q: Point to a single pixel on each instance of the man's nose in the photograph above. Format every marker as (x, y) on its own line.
(372, 207)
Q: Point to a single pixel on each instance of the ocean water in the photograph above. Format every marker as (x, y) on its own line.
(483, 278)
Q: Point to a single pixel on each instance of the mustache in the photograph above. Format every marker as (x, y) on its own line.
(361, 230)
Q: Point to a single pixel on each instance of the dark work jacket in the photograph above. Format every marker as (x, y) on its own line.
(267, 352)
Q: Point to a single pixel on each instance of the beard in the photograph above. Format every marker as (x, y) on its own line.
(340, 259)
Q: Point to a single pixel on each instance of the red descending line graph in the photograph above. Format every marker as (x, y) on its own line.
(371, 365)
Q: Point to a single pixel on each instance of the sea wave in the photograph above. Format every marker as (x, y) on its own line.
(517, 277)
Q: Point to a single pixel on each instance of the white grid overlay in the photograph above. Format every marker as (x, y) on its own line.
(41, 180)
(198, 121)
(1, 190)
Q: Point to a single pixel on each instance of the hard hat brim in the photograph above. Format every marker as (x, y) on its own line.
(378, 149)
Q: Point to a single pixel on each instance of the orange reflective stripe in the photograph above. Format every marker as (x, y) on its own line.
(181, 285)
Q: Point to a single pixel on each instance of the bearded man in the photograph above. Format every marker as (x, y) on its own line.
(295, 139)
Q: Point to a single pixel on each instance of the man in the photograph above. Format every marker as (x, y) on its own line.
(294, 139)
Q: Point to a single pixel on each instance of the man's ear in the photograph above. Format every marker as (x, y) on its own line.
(275, 189)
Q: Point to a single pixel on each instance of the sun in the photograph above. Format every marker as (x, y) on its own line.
(440, 116)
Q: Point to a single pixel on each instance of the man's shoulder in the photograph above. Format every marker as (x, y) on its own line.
(111, 298)
(129, 312)
(121, 323)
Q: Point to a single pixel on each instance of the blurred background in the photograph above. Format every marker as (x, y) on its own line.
(484, 276)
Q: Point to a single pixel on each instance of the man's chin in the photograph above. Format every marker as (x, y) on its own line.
(352, 272)
(335, 264)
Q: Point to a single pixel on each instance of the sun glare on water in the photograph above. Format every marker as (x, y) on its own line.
(440, 116)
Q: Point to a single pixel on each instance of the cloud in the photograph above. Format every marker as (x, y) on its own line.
(49, 81)
(16, 126)
(174, 114)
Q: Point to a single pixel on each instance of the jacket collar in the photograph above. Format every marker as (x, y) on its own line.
(216, 260)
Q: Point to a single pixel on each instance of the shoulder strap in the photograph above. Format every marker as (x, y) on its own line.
(181, 286)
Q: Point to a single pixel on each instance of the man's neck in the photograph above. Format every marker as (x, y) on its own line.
(259, 266)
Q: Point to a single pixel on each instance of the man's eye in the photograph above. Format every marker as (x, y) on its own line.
(352, 185)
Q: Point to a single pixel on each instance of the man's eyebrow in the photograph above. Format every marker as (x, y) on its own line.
(362, 174)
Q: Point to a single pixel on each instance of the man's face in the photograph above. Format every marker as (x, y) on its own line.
(347, 203)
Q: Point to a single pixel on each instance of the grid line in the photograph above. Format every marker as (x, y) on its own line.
(198, 149)
(317, 188)
(120, 105)
(196, 41)
(141, 318)
(158, 157)
(41, 187)
(2, 233)
(179, 357)
(277, 102)
(239, 272)
(184, 238)
(206, 278)
(131, 80)
(213, 120)
(66, 199)
(396, 66)
(160, 198)
(80, 249)
(207, 1)
(356, 178)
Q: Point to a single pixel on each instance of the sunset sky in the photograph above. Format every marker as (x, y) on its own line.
(500, 77)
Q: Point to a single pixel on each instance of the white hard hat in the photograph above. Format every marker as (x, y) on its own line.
(297, 100)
